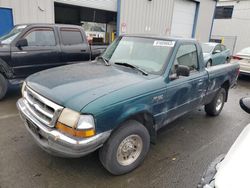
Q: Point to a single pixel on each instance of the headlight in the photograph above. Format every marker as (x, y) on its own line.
(23, 88)
(75, 124)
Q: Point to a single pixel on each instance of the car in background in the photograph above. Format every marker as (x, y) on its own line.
(215, 54)
(243, 57)
(231, 170)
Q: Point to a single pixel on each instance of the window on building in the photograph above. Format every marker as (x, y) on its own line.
(223, 12)
(71, 36)
(41, 37)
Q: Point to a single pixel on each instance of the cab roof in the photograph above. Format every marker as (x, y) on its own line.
(160, 37)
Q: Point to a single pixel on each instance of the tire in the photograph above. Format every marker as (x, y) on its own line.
(209, 63)
(3, 86)
(214, 108)
(132, 135)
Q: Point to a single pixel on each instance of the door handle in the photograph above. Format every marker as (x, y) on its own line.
(83, 50)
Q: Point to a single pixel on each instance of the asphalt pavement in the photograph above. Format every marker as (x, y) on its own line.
(183, 150)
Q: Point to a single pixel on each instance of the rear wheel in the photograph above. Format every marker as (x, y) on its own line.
(3, 86)
(214, 108)
(126, 148)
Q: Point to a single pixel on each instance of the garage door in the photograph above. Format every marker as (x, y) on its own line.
(183, 18)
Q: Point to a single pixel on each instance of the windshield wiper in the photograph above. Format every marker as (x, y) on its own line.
(133, 67)
(105, 60)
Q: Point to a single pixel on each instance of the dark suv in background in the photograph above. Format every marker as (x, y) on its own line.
(34, 47)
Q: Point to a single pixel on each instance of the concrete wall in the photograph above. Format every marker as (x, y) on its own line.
(30, 11)
(237, 27)
(205, 20)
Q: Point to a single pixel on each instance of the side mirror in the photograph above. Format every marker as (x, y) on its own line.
(245, 104)
(21, 43)
(183, 70)
(216, 52)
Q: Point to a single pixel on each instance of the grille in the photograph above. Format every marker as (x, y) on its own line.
(41, 108)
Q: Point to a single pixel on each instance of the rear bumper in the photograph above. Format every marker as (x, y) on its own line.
(55, 142)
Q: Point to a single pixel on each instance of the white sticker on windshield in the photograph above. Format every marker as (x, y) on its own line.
(164, 43)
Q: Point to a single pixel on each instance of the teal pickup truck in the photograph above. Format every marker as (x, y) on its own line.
(118, 102)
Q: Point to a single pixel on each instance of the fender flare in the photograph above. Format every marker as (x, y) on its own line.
(141, 113)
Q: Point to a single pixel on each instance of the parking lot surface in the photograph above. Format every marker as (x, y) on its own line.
(183, 150)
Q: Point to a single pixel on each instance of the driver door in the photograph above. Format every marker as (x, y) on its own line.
(184, 93)
(42, 52)
(217, 57)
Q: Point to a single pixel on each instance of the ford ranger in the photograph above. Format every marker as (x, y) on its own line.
(118, 103)
(31, 48)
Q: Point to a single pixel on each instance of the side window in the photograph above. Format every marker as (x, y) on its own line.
(71, 36)
(217, 48)
(187, 55)
(41, 37)
(223, 48)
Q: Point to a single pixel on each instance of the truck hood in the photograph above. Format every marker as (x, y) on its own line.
(75, 86)
(234, 169)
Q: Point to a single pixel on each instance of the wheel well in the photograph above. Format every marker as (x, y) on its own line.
(226, 86)
(145, 119)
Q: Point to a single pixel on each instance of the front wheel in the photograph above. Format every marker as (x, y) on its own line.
(126, 148)
(214, 108)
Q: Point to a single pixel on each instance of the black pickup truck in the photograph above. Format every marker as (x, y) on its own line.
(34, 47)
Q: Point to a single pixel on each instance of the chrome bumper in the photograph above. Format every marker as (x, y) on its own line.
(55, 142)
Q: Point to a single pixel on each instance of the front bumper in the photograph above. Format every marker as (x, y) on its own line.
(55, 142)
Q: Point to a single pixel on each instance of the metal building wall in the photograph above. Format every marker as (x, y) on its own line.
(30, 11)
(143, 16)
(110, 5)
(205, 20)
(237, 27)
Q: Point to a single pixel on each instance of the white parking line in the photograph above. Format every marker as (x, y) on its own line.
(8, 116)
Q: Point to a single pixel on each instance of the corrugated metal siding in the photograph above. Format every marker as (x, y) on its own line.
(110, 5)
(30, 11)
(149, 17)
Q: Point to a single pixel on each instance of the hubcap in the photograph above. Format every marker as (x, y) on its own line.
(129, 150)
(219, 102)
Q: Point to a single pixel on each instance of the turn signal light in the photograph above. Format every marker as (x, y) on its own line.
(75, 132)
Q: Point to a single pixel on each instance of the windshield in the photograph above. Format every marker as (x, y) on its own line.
(207, 48)
(8, 38)
(148, 54)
